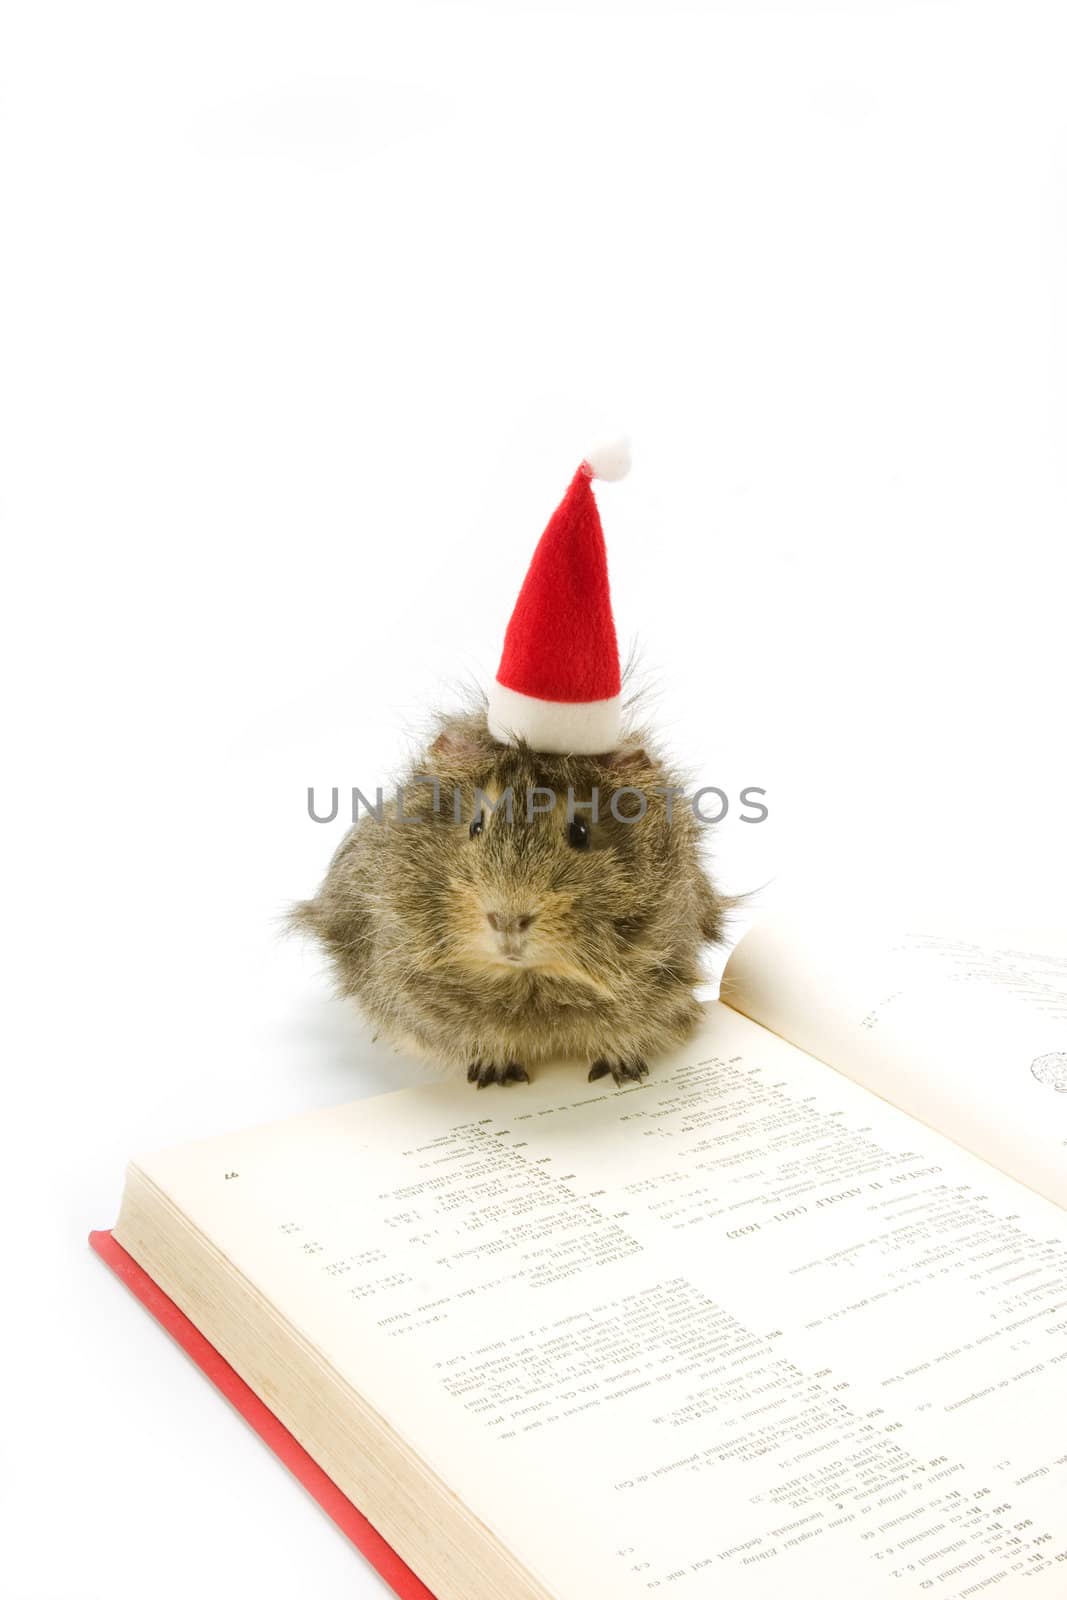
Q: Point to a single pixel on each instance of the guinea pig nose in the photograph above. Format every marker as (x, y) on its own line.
(513, 924)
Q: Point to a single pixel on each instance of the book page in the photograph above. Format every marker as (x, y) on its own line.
(739, 1329)
(968, 1035)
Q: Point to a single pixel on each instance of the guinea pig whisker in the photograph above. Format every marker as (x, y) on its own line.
(558, 966)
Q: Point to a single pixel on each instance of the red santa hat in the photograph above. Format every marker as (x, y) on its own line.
(558, 685)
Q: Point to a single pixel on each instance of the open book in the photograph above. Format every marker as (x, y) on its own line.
(787, 1318)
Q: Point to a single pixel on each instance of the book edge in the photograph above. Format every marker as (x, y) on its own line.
(274, 1434)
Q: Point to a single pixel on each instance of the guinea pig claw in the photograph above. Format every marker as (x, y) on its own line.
(631, 1071)
(485, 1072)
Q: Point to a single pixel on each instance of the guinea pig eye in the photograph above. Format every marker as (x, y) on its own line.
(578, 835)
(478, 824)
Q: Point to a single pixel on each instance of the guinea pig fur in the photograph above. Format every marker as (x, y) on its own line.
(490, 940)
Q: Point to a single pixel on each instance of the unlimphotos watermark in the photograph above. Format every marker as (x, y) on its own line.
(627, 804)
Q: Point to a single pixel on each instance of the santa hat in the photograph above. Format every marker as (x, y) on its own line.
(558, 685)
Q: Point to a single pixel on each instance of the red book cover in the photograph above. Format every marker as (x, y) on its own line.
(277, 1437)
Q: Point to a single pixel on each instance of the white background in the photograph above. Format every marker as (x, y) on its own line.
(309, 311)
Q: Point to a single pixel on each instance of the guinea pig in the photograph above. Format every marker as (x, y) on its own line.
(496, 921)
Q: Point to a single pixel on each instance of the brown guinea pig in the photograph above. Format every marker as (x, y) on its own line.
(495, 923)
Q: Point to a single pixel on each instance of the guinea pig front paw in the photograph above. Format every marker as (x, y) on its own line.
(485, 1072)
(631, 1071)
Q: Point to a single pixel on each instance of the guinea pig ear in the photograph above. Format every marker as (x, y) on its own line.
(455, 747)
(627, 758)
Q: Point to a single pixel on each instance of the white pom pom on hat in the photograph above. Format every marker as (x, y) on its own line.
(610, 460)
